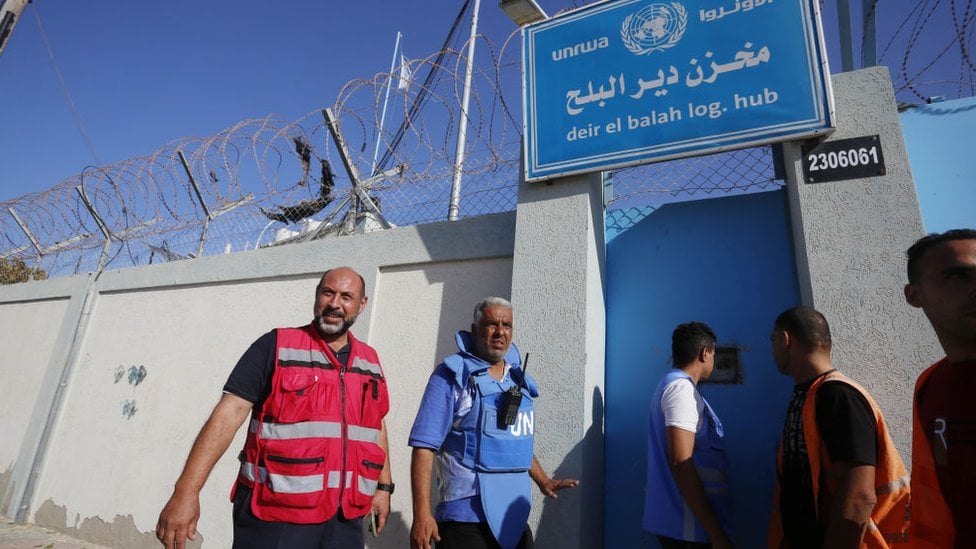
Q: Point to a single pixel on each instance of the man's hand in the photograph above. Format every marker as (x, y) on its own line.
(178, 521)
(381, 504)
(550, 486)
(424, 530)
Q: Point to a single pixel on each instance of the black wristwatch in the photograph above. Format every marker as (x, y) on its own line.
(386, 487)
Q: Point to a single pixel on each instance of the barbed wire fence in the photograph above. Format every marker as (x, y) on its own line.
(268, 181)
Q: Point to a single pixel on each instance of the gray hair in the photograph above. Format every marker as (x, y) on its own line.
(492, 301)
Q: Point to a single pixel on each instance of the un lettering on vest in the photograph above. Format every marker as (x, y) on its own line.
(524, 425)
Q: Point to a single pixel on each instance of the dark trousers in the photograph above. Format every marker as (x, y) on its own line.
(251, 532)
(671, 543)
(474, 535)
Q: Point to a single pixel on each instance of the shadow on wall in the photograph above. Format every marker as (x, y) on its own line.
(584, 461)
(396, 534)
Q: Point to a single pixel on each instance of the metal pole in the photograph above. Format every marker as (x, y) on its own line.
(193, 182)
(357, 186)
(27, 232)
(869, 50)
(844, 33)
(10, 13)
(94, 213)
(454, 207)
(386, 99)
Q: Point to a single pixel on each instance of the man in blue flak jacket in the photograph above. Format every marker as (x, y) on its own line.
(477, 421)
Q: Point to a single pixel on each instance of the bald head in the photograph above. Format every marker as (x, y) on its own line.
(346, 272)
(807, 325)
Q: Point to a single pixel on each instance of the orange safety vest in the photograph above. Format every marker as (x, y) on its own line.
(314, 443)
(932, 525)
(889, 519)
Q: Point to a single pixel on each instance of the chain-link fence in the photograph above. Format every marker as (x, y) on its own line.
(636, 192)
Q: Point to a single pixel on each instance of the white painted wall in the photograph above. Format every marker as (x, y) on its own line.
(30, 324)
(105, 474)
(557, 289)
(38, 320)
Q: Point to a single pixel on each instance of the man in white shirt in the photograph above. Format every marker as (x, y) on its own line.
(687, 502)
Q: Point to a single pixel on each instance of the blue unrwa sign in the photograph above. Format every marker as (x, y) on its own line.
(635, 81)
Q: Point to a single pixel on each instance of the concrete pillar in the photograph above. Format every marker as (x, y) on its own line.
(557, 291)
(850, 239)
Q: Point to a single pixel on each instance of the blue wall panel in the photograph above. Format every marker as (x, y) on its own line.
(940, 147)
(727, 262)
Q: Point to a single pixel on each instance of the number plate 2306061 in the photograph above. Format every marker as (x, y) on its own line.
(854, 158)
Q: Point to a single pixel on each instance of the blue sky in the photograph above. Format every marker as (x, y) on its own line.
(142, 74)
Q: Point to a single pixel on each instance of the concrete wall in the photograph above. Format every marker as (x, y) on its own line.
(939, 141)
(35, 318)
(155, 345)
(557, 290)
(850, 239)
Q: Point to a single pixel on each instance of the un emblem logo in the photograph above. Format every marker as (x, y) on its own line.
(655, 27)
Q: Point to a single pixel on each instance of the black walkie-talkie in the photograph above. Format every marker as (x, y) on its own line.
(512, 400)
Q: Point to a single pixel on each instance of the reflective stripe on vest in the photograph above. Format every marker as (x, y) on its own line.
(298, 484)
(305, 429)
(307, 358)
(365, 367)
(363, 434)
(312, 429)
(291, 484)
(893, 486)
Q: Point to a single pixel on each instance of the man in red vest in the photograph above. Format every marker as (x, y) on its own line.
(315, 460)
(942, 282)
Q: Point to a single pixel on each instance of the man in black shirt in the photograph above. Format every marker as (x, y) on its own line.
(829, 453)
(317, 397)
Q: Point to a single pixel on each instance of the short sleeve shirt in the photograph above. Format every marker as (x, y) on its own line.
(682, 405)
(849, 432)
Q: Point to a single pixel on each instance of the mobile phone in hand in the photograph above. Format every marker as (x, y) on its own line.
(371, 519)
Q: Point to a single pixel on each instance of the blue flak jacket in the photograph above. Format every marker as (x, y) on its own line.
(665, 511)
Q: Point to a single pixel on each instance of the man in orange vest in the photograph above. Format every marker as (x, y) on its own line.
(942, 282)
(315, 459)
(841, 482)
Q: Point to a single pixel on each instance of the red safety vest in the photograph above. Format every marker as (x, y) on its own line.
(314, 443)
(889, 519)
(932, 526)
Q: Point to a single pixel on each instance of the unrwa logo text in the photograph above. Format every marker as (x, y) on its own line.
(653, 28)
(581, 48)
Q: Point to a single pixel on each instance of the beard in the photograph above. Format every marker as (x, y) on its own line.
(334, 329)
